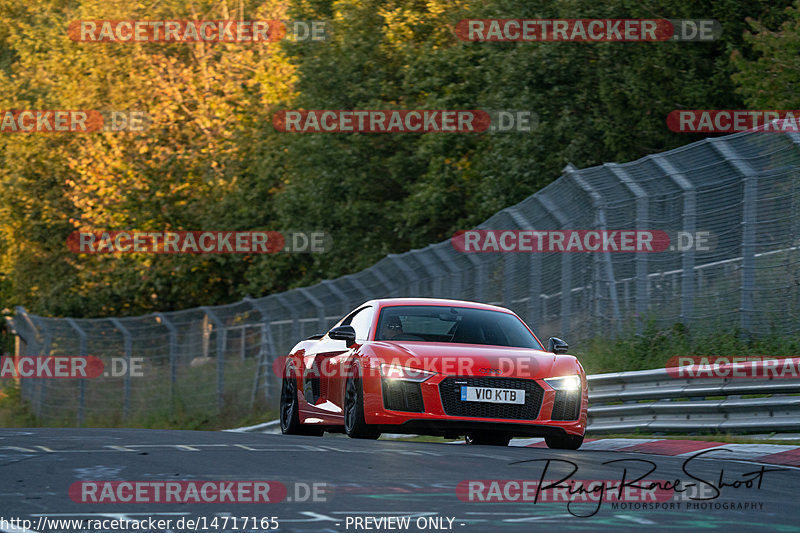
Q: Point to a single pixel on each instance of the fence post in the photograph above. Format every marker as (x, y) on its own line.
(323, 322)
(44, 382)
(510, 272)
(389, 286)
(128, 345)
(267, 347)
(336, 291)
(689, 225)
(476, 266)
(292, 313)
(642, 218)
(173, 353)
(221, 341)
(38, 343)
(355, 282)
(19, 343)
(433, 270)
(32, 346)
(600, 221)
(534, 314)
(566, 269)
(83, 350)
(454, 274)
(412, 280)
(749, 221)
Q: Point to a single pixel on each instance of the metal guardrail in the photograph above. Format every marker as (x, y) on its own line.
(656, 401)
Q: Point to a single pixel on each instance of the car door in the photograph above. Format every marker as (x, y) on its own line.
(321, 382)
(361, 321)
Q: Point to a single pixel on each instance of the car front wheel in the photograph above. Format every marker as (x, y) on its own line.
(354, 424)
(290, 411)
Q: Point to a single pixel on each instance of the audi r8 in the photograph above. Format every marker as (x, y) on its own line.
(434, 367)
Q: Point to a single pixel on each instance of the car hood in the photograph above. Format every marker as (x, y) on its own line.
(475, 360)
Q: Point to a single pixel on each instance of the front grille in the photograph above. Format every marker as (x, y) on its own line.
(399, 395)
(567, 405)
(450, 391)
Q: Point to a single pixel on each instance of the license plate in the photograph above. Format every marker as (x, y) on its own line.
(492, 395)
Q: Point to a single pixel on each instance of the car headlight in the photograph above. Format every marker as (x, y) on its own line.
(405, 373)
(565, 383)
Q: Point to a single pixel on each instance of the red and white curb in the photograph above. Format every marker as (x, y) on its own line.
(777, 454)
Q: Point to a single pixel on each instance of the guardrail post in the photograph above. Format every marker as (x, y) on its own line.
(689, 225)
(82, 349)
(749, 222)
(221, 341)
(128, 346)
(173, 353)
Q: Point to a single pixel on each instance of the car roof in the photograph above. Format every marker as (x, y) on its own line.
(387, 302)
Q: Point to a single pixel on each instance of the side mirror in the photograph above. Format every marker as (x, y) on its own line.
(343, 333)
(557, 346)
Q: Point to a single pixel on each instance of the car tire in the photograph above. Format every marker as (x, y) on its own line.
(487, 439)
(290, 410)
(564, 442)
(354, 424)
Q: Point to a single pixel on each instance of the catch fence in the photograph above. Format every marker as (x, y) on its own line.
(741, 190)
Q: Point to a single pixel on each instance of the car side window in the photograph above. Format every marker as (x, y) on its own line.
(361, 323)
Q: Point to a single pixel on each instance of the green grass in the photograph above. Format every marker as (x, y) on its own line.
(14, 411)
(655, 346)
(152, 405)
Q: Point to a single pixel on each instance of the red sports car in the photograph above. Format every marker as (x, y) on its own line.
(434, 367)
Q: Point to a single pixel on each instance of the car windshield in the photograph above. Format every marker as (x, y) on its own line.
(428, 323)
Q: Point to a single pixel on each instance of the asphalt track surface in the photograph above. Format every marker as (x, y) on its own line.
(372, 479)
